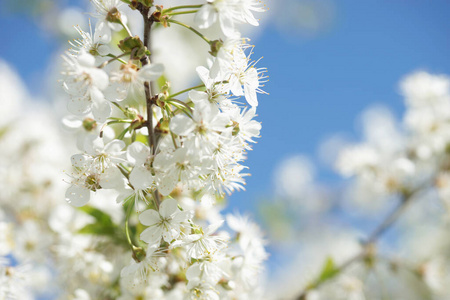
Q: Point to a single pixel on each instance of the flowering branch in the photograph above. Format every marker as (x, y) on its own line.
(194, 150)
(150, 99)
(367, 250)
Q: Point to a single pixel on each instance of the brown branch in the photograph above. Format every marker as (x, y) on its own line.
(149, 97)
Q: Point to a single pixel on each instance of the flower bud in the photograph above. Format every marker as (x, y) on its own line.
(133, 45)
(131, 113)
(158, 17)
(89, 124)
(215, 47)
(162, 127)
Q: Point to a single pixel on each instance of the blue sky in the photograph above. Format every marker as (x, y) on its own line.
(318, 85)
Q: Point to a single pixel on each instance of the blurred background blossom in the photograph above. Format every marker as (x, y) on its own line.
(342, 98)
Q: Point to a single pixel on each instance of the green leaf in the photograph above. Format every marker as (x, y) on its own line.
(122, 134)
(329, 270)
(142, 138)
(3, 131)
(97, 229)
(100, 216)
(162, 80)
(103, 226)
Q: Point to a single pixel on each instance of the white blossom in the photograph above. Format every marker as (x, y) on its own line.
(85, 83)
(130, 80)
(106, 11)
(165, 223)
(204, 243)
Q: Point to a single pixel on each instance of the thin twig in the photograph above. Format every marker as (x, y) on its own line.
(113, 59)
(389, 220)
(184, 104)
(367, 248)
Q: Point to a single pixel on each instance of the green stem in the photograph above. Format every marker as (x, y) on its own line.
(182, 12)
(122, 134)
(124, 171)
(174, 140)
(118, 122)
(126, 27)
(186, 90)
(127, 226)
(173, 101)
(182, 7)
(175, 112)
(191, 29)
(118, 106)
(182, 108)
(113, 59)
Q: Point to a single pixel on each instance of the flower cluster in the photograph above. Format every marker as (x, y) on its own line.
(402, 159)
(171, 155)
(415, 167)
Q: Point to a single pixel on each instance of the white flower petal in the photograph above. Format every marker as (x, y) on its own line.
(101, 110)
(99, 78)
(227, 25)
(141, 178)
(198, 96)
(85, 59)
(138, 152)
(206, 16)
(125, 195)
(78, 195)
(151, 72)
(167, 182)
(72, 123)
(193, 272)
(149, 217)
(235, 86)
(170, 234)
(152, 235)
(111, 178)
(168, 207)
(213, 227)
(183, 216)
(203, 73)
(79, 160)
(181, 125)
(115, 146)
(79, 105)
(250, 95)
(103, 32)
